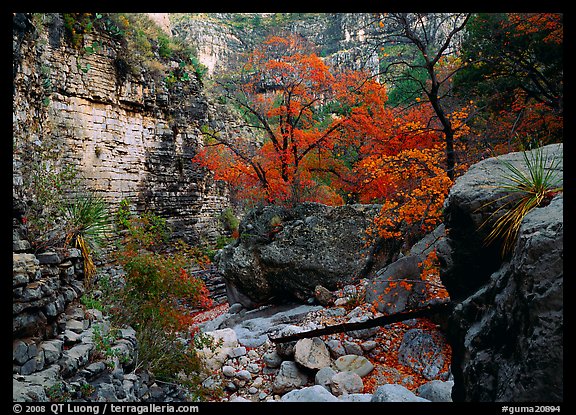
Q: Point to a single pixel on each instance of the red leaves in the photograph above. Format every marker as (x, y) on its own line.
(388, 368)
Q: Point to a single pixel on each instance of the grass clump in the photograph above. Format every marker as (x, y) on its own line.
(526, 188)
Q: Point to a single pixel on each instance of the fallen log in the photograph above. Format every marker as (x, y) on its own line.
(426, 311)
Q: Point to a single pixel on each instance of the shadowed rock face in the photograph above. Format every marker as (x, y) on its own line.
(507, 333)
(472, 200)
(284, 253)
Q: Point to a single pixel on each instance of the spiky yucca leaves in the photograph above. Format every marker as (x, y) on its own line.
(536, 185)
(88, 223)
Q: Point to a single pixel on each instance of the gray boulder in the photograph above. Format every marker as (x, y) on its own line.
(395, 393)
(468, 212)
(289, 377)
(314, 393)
(436, 391)
(324, 377)
(285, 253)
(343, 383)
(423, 351)
(507, 332)
(386, 291)
(312, 353)
(354, 363)
(356, 397)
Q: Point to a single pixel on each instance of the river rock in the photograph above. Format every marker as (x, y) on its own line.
(314, 393)
(225, 341)
(324, 377)
(354, 363)
(395, 393)
(355, 397)
(312, 353)
(289, 377)
(272, 359)
(436, 391)
(343, 383)
(336, 348)
(423, 351)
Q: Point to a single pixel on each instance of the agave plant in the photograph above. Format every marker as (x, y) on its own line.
(536, 186)
(88, 223)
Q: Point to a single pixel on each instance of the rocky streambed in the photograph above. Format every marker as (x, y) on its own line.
(407, 361)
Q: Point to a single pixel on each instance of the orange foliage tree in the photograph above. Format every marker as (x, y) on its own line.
(291, 97)
(331, 138)
(401, 164)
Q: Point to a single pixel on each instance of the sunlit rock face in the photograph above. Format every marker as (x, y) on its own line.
(129, 134)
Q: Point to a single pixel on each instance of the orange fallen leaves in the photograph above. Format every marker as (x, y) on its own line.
(389, 359)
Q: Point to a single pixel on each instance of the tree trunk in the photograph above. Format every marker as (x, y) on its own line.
(427, 311)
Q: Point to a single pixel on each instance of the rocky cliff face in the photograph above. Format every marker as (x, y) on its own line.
(130, 135)
(507, 332)
(221, 38)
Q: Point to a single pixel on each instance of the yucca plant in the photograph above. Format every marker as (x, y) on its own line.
(536, 185)
(87, 225)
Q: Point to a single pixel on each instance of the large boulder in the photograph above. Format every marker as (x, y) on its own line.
(285, 253)
(399, 286)
(473, 204)
(507, 332)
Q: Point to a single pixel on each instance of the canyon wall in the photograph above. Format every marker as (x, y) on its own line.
(342, 39)
(131, 136)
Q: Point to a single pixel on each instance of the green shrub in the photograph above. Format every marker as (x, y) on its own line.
(46, 188)
(156, 300)
(228, 220)
(123, 214)
(164, 47)
(87, 226)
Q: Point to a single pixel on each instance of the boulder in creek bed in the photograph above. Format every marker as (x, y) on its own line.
(289, 377)
(395, 393)
(423, 351)
(312, 353)
(354, 363)
(314, 393)
(343, 383)
(286, 253)
(507, 330)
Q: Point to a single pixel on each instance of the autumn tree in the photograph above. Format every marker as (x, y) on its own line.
(513, 66)
(404, 170)
(331, 138)
(291, 97)
(422, 41)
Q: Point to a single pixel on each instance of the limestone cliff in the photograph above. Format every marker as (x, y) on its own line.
(131, 135)
(221, 38)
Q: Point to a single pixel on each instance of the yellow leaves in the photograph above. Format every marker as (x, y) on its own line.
(458, 118)
(421, 187)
